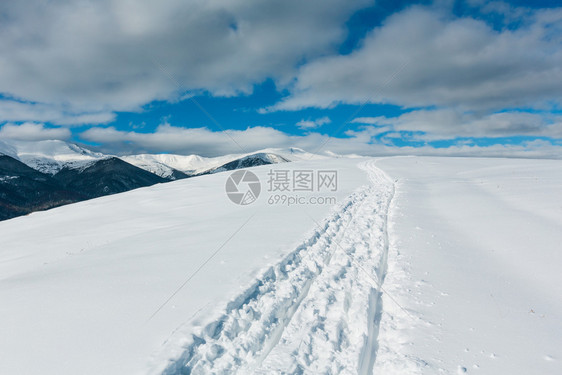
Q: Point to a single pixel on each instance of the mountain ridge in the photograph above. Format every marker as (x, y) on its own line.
(35, 176)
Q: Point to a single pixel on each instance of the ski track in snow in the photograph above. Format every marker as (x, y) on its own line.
(317, 311)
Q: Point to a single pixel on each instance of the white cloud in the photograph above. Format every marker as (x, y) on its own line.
(370, 120)
(426, 57)
(200, 141)
(312, 124)
(116, 55)
(15, 111)
(205, 142)
(32, 132)
(74, 62)
(531, 149)
(450, 124)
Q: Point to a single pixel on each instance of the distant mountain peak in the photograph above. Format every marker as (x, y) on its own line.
(252, 160)
(50, 156)
(8, 150)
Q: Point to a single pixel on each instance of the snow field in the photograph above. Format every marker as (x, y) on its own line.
(474, 258)
(468, 249)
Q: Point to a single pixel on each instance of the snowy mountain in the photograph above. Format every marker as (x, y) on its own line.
(41, 175)
(165, 165)
(298, 154)
(423, 266)
(106, 176)
(157, 164)
(7, 149)
(180, 166)
(24, 189)
(50, 156)
(68, 173)
(248, 161)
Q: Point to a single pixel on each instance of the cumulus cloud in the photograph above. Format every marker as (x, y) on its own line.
(16, 111)
(116, 55)
(425, 57)
(32, 132)
(312, 124)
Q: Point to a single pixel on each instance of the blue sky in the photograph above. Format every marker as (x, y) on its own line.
(387, 77)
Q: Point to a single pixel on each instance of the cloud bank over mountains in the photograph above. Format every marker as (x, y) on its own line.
(71, 68)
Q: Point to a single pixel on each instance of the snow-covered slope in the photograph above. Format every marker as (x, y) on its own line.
(49, 156)
(79, 284)
(424, 266)
(296, 154)
(7, 149)
(475, 260)
(155, 163)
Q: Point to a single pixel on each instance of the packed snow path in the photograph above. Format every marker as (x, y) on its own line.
(315, 312)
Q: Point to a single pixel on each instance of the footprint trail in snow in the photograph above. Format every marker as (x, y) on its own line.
(318, 310)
